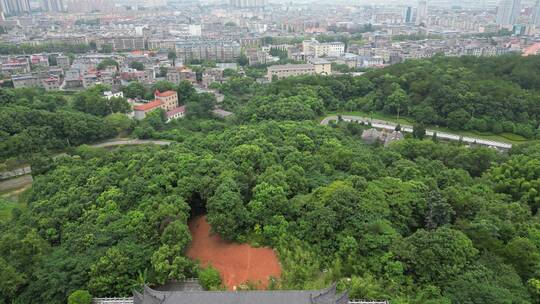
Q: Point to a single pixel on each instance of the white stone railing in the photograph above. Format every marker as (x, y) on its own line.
(113, 300)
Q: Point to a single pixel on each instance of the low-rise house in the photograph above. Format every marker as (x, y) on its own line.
(56, 72)
(39, 61)
(16, 66)
(173, 75)
(22, 81)
(73, 74)
(176, 113)
(51, 83)
(176, 75)
(72, 83)
(140, 111)
(348, 59)
(369, 61)
(63, 62)
(89, 80)
(167, 101)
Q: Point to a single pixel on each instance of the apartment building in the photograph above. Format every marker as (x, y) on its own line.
(160, 44)
(288, 70)
(51, 83)
(322, 66)
(314, 48)
(122, 43)
(63, 62)
(89, 80)
(22, 81)
(16, 66)
(202, 49)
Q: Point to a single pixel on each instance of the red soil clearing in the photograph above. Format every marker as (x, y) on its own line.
(237, 263)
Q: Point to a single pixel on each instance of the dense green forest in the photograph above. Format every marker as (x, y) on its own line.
(485, 94)
(34, 121)
(419, 222)
(416, 222)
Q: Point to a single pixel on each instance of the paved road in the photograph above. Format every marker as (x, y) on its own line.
(127, 142)
(15, 183)
(383, 124)
(107, 144)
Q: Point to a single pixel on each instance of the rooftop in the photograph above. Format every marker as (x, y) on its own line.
(181, 109)
(148, 106)
(323, 296)
(289, 66)
(165, 94)
(319, 61)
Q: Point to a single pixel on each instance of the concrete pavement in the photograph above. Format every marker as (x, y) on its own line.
(386, 125)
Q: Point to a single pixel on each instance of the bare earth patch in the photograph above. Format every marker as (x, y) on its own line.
(237, 263)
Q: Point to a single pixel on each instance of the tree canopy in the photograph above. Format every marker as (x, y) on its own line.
(419, 221)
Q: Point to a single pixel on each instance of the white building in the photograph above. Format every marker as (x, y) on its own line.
(369, 61)
(314, 48)
(110, 94)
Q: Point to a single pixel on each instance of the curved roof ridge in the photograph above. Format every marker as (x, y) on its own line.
(320, 291)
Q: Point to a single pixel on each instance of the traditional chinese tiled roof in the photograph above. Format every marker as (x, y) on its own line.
(324, 296)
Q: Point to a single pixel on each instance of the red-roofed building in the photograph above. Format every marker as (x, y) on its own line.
(51, 83)
(176, 113)
(169, 99)
(141, 110)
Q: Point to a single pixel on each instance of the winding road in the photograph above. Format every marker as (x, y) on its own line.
(387, 125)
(107, 144)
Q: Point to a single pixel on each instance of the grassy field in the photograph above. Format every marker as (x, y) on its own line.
(5, 209)
(8, 202)
(503, 137)
(12, 195)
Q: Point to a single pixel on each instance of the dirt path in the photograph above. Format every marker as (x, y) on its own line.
(237, 263)
(107, 144)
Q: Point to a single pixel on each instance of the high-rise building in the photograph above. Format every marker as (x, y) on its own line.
(407, 15)
(422, 12)
(14, 7)
(536, 14)
(508, 12)
(52, 5)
